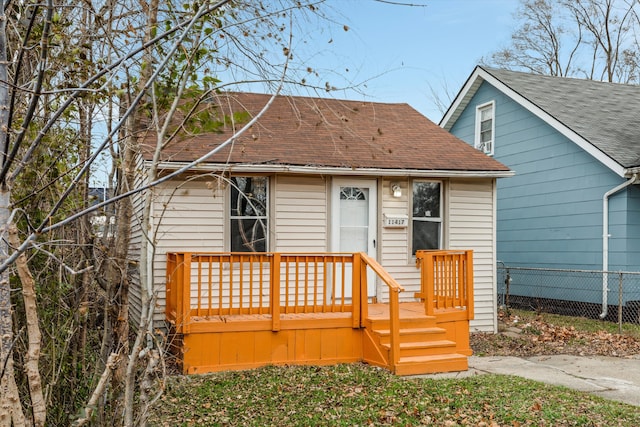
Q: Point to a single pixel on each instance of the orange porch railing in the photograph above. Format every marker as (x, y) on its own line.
(274, 285)
(223, 284)
(446, 280)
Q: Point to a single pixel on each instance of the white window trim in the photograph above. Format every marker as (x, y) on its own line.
(479, 109)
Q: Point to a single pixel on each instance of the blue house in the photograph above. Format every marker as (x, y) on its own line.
(574, 146)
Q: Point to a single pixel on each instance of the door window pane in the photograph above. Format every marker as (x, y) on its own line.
(354, 219)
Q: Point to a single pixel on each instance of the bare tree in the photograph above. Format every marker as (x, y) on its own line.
(148, 66)
(593, 39)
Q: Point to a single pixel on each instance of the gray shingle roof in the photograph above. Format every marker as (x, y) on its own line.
(607, 115)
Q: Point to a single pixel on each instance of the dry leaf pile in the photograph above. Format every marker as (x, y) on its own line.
(533, 337)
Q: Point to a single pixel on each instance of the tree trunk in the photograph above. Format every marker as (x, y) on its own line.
(32, 359)
(146, 310)
(10, 407)
(118, 295)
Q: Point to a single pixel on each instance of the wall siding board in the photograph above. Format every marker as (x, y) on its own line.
(476, 213)
(135, 244)
(394, 249)
(301, 211)
(188, 219)
(631, 245)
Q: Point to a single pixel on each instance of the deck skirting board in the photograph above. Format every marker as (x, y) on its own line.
(218, 351)
(436, 343)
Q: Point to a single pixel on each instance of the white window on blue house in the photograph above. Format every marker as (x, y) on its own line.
(426, 215)
(248, 214)
(485, 128)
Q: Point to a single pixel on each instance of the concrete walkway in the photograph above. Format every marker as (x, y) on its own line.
(608, 377)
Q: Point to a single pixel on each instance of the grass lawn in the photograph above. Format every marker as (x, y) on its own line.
(360, 395)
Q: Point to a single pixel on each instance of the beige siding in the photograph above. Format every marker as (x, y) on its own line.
(136, 243)
(394, 250)
(300, 214)
(469, 223)
(188, 216)
(191, 217)
(472, 226)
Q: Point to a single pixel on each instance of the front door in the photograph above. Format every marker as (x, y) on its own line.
(354, 207)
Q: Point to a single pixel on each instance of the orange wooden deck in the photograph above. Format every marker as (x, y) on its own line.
(305, 319)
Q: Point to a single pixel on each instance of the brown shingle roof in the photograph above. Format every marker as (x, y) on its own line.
(317, 132)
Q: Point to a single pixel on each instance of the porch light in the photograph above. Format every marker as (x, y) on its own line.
(395, 188)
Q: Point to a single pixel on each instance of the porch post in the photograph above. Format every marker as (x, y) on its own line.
(171, 289)
(183, 310)
(356, 298)
(394, 326)
(364, 297)
(469, 280)
(275, 292)
(428, 280)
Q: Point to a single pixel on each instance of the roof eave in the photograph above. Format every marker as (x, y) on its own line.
(480, 75)
(462, 99)
(327, 170)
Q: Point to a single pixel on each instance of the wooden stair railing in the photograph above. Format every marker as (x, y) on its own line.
(394, 304)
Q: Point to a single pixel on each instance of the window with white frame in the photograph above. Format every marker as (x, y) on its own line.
(485, 129)
(426, 215)
(248, 214)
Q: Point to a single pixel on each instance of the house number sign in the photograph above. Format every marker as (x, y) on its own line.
(396, 221)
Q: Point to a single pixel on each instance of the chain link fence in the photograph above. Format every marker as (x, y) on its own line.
(572, 292)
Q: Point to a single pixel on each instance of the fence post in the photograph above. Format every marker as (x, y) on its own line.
(275, 292)
(620, 304)
(507, 282)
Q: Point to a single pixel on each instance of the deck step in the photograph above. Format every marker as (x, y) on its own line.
(411, 331)
(416, 365)
(414, 322)
(412, 334)
(420, 348)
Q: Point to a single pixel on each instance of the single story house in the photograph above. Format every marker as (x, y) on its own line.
(317, 177)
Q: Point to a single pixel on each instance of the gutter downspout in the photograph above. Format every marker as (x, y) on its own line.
(605, 238)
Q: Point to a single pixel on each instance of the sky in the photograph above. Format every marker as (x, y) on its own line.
(404, 52)
(399, 54)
